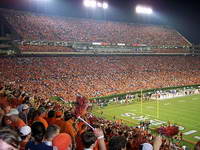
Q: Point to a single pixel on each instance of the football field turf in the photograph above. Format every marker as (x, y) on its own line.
(183, 111)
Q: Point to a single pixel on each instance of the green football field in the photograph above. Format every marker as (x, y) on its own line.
(183, 111)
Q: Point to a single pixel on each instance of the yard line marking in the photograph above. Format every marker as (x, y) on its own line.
(181, 101)
(197, 137)
(190, 132)
(150, 107)
(167, 104)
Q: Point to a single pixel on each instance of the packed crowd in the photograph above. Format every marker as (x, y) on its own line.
(39, 27)
(29, 123)
(97, 75)
(31, 48)
(174, 50)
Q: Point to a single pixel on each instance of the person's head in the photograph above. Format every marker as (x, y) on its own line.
(67, 116)
(117, 143)
(59, 114)
(51, 114)
(38, 131)
(31, 113)
(146, 146)
(62, 141)
(9, 140)
(197, 146)
(16, 93)
(51, 132)
(6, 121)
(6, 108)
(25, 132)
(26, 100)
(41, 111)
(88, 139)
(25, 108)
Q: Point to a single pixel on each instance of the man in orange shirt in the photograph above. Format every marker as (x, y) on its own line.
(69, 127)
(59, 121)
(51, 117)
(40, 116)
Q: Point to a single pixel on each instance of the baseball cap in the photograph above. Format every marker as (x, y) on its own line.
(25, 130)
(25, 106)
(147, 146)
(13, 112)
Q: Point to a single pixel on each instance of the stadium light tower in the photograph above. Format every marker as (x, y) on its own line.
(86, 3)
(94, 4)
(143, 10)
(105, 5)
(90, 3)
(100, 5)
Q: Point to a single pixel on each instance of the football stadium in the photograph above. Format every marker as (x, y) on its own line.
(73, 77)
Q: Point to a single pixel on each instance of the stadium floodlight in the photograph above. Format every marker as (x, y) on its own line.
(99, 4)
(90, 3)
(105, 5)
(86, 3)
(93, 3)
(144, 10)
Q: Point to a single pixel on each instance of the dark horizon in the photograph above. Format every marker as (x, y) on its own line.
(179, 14)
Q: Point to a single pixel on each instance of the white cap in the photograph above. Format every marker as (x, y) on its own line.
(147, 146)
(25, 130)
(13, 112)
(25, 106)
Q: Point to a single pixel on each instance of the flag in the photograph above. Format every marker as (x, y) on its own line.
(81, 105)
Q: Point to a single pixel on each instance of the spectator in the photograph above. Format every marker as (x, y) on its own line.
(89, 140)
(38, 132)
(51, 117)
(63, 142)
(24, 113)
(6, 122)
(17, 123)
(146, 146)
(117, 143)
(51, 132)
(9, 140)
(40, 116)
(197, 146)
(25, 134)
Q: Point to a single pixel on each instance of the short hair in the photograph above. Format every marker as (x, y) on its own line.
(88, 138)
(38, 131)
(67, 116)
(41, 110)
(51, 114)
(10, 137)
(197, 146)
(51, 131)
(117, 143)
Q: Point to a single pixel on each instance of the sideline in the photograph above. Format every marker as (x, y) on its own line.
(125, 121)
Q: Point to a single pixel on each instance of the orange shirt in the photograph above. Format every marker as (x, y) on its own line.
(42, 120)
(23, 145)
(68, 128)
(18, 124)
(60, 123)
(51, 121)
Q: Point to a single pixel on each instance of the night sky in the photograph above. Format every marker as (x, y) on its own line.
(183, 15)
